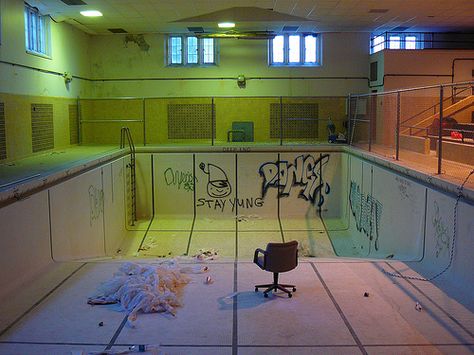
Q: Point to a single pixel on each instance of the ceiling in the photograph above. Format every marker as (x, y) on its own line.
(165, 16)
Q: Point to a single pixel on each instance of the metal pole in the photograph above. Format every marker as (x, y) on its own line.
(397, 153)
(281, 120)
(440, 134)
(212, 121)
(370, 123)
(349, 124)
(144, 123)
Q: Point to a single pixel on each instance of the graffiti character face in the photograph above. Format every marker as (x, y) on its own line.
(218, 188)
(218, 185)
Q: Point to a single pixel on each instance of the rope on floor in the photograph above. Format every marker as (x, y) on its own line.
(453, 244)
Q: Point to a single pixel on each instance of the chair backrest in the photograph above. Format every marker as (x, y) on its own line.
(281, 257)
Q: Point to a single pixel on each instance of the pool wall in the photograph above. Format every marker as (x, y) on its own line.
(368, 210)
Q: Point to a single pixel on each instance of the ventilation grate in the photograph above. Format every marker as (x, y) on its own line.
(3, 141)
(73, 125)
(42, 131)
(297, 120)
(191, 121)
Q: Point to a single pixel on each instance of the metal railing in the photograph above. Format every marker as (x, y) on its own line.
(377, 123)
(125, 135)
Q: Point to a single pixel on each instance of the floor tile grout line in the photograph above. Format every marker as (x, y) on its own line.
(117, 333)
(37, 303)
(457, 322)
(145, 235)
(235, 336)
(338, 308)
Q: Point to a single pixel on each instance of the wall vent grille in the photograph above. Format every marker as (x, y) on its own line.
(42, 130)
(191, 121)
(298, 120)
(73, 125)
(3, 141)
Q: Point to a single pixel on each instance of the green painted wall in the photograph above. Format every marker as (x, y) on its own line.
(344, 55)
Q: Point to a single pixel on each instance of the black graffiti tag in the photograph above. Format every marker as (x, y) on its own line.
(367, 212)
(305, 172)
(180, 178)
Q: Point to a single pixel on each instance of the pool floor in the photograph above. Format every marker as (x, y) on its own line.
(328, 313)
(232, 238)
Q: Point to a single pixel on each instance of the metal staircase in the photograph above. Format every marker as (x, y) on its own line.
(125, 134)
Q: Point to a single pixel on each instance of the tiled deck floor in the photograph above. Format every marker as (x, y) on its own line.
(327, 315)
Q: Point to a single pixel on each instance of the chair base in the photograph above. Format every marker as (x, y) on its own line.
(272, 287)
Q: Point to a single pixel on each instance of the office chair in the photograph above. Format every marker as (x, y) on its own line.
(278, 257)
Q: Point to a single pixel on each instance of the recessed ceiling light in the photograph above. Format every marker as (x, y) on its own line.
(91, 13)
(226, 25)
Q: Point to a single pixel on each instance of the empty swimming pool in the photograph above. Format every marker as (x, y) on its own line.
(334, 200)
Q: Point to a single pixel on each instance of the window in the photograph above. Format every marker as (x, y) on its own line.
(394, 42)
(397, 40)
(294, 50)
(378, 44)
(410, 42)
(37, 32)
(191, 50)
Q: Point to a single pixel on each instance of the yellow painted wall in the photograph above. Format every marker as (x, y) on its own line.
(18, 122)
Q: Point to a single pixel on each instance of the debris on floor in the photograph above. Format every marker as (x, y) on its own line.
(101, 324)
(418, 307)
(208, 280)
(143, 287)
(150, 243)
(196, 269)
(304, 250)
(366, 294)
(247, 218)
(206, 254)
(141, 348)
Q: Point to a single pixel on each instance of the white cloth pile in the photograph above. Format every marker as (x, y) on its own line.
(143, 287)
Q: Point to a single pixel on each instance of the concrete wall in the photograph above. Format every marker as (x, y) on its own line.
(69, 54)
(20, 86)
(46, 227)
(344, 55)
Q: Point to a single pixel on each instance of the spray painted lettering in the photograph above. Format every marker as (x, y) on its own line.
(96, 203)
(230, 203)
(440, 232)
(306, 172)
(367, 212)
(180, 179)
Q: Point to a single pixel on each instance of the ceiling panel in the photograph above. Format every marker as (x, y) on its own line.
(326, 15)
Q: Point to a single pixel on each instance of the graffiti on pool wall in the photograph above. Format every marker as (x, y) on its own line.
(367, 211)
(180, 179)
(96, 203)
(440, 232)
(306, 172)
(219, 187)
(218, 184)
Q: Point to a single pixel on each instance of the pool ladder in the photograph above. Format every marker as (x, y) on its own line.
(125, 134)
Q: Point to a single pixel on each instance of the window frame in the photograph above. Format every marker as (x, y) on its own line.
(37, 34)
(185, 51)
(302, 51)
(386, 43)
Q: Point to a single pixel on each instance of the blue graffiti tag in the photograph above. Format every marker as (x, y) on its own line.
(306, 172)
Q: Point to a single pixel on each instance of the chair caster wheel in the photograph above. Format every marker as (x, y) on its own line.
(294, 289)
(290, 295)
(265, 295)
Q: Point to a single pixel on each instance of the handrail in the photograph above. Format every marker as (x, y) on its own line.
(412, 89)
(125, 134)
(435, 105)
